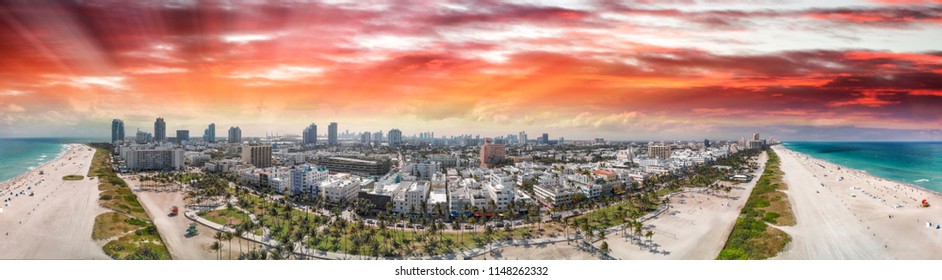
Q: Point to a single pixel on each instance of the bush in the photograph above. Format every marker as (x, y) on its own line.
(137, 222)
(770, 217)
(733, 254)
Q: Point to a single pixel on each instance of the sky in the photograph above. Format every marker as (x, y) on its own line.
(620, 70)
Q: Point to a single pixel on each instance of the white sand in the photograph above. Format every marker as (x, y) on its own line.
(57, 222)
(556, 251)
(696, 229)
(172, 229)
(833, 224)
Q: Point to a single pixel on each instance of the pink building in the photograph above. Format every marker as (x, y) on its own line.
(492, 154)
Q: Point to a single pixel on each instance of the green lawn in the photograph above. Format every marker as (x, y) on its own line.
(73, 177)
(608, 216)
(225, 216)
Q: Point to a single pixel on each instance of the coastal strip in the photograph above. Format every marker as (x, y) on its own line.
(128, 230)
(844, 213)
(754, 235)
(44, 216)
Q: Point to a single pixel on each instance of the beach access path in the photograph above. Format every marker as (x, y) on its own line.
(843, 213)
(695, 227)
(172, 229)
(57, 222)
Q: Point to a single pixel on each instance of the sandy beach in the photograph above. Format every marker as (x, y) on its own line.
(556, 251)
(56, 222)
(694, 228)
(848, 214)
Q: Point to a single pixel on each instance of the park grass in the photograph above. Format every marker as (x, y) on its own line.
(129, 214)
(224, 216)
(121, 199)
(418, 243)
(752, 238)
(73, 177)
(609, 216)
(113, 224)
(142, 244)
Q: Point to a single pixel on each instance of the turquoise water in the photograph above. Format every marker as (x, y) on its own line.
(19, 155)
(917, 163)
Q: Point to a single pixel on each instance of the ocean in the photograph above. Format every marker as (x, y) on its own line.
(19, 155)
(916, 163)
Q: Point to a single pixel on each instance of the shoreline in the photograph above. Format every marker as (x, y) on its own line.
(848, 214)
(864, 172)
(53, 218)
(63, 150)
(921, 188)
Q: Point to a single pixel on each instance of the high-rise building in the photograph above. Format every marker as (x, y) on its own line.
(755, 136)
(659, 151)
(309, 136)
(492, 154)
(117, 131)
(183, 136)
(209, 135)
(235, 134)
(356, 166)
(545, 139)
(377, 137)
(143, 137)
(365, 138)
(706, 143)
(332, 134)
(160, 130)
(159, 158)
(258, 155)
(522, 138)
(395, 137)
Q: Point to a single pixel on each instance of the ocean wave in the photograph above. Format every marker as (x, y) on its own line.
(921, 180)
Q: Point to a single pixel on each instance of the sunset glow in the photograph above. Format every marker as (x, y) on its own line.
(577, 69)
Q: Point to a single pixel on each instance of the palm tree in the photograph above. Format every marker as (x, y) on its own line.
(488, 232)
(216, 246)
(456, 226)
(219, 237)
(240, 229)
(228, 236)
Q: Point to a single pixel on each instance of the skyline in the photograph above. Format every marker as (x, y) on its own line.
(800, 70)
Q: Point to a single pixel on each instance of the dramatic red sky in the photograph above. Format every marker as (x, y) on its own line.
(687, 69)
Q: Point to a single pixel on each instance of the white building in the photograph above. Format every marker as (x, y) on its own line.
(306, 179)
(339, 188)
(438, 196)
(221, 166)
(553, 195)
(408, 197)
(197, 158)
(500, 190)
(152, 158)
(424, 171)
(587, 185)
